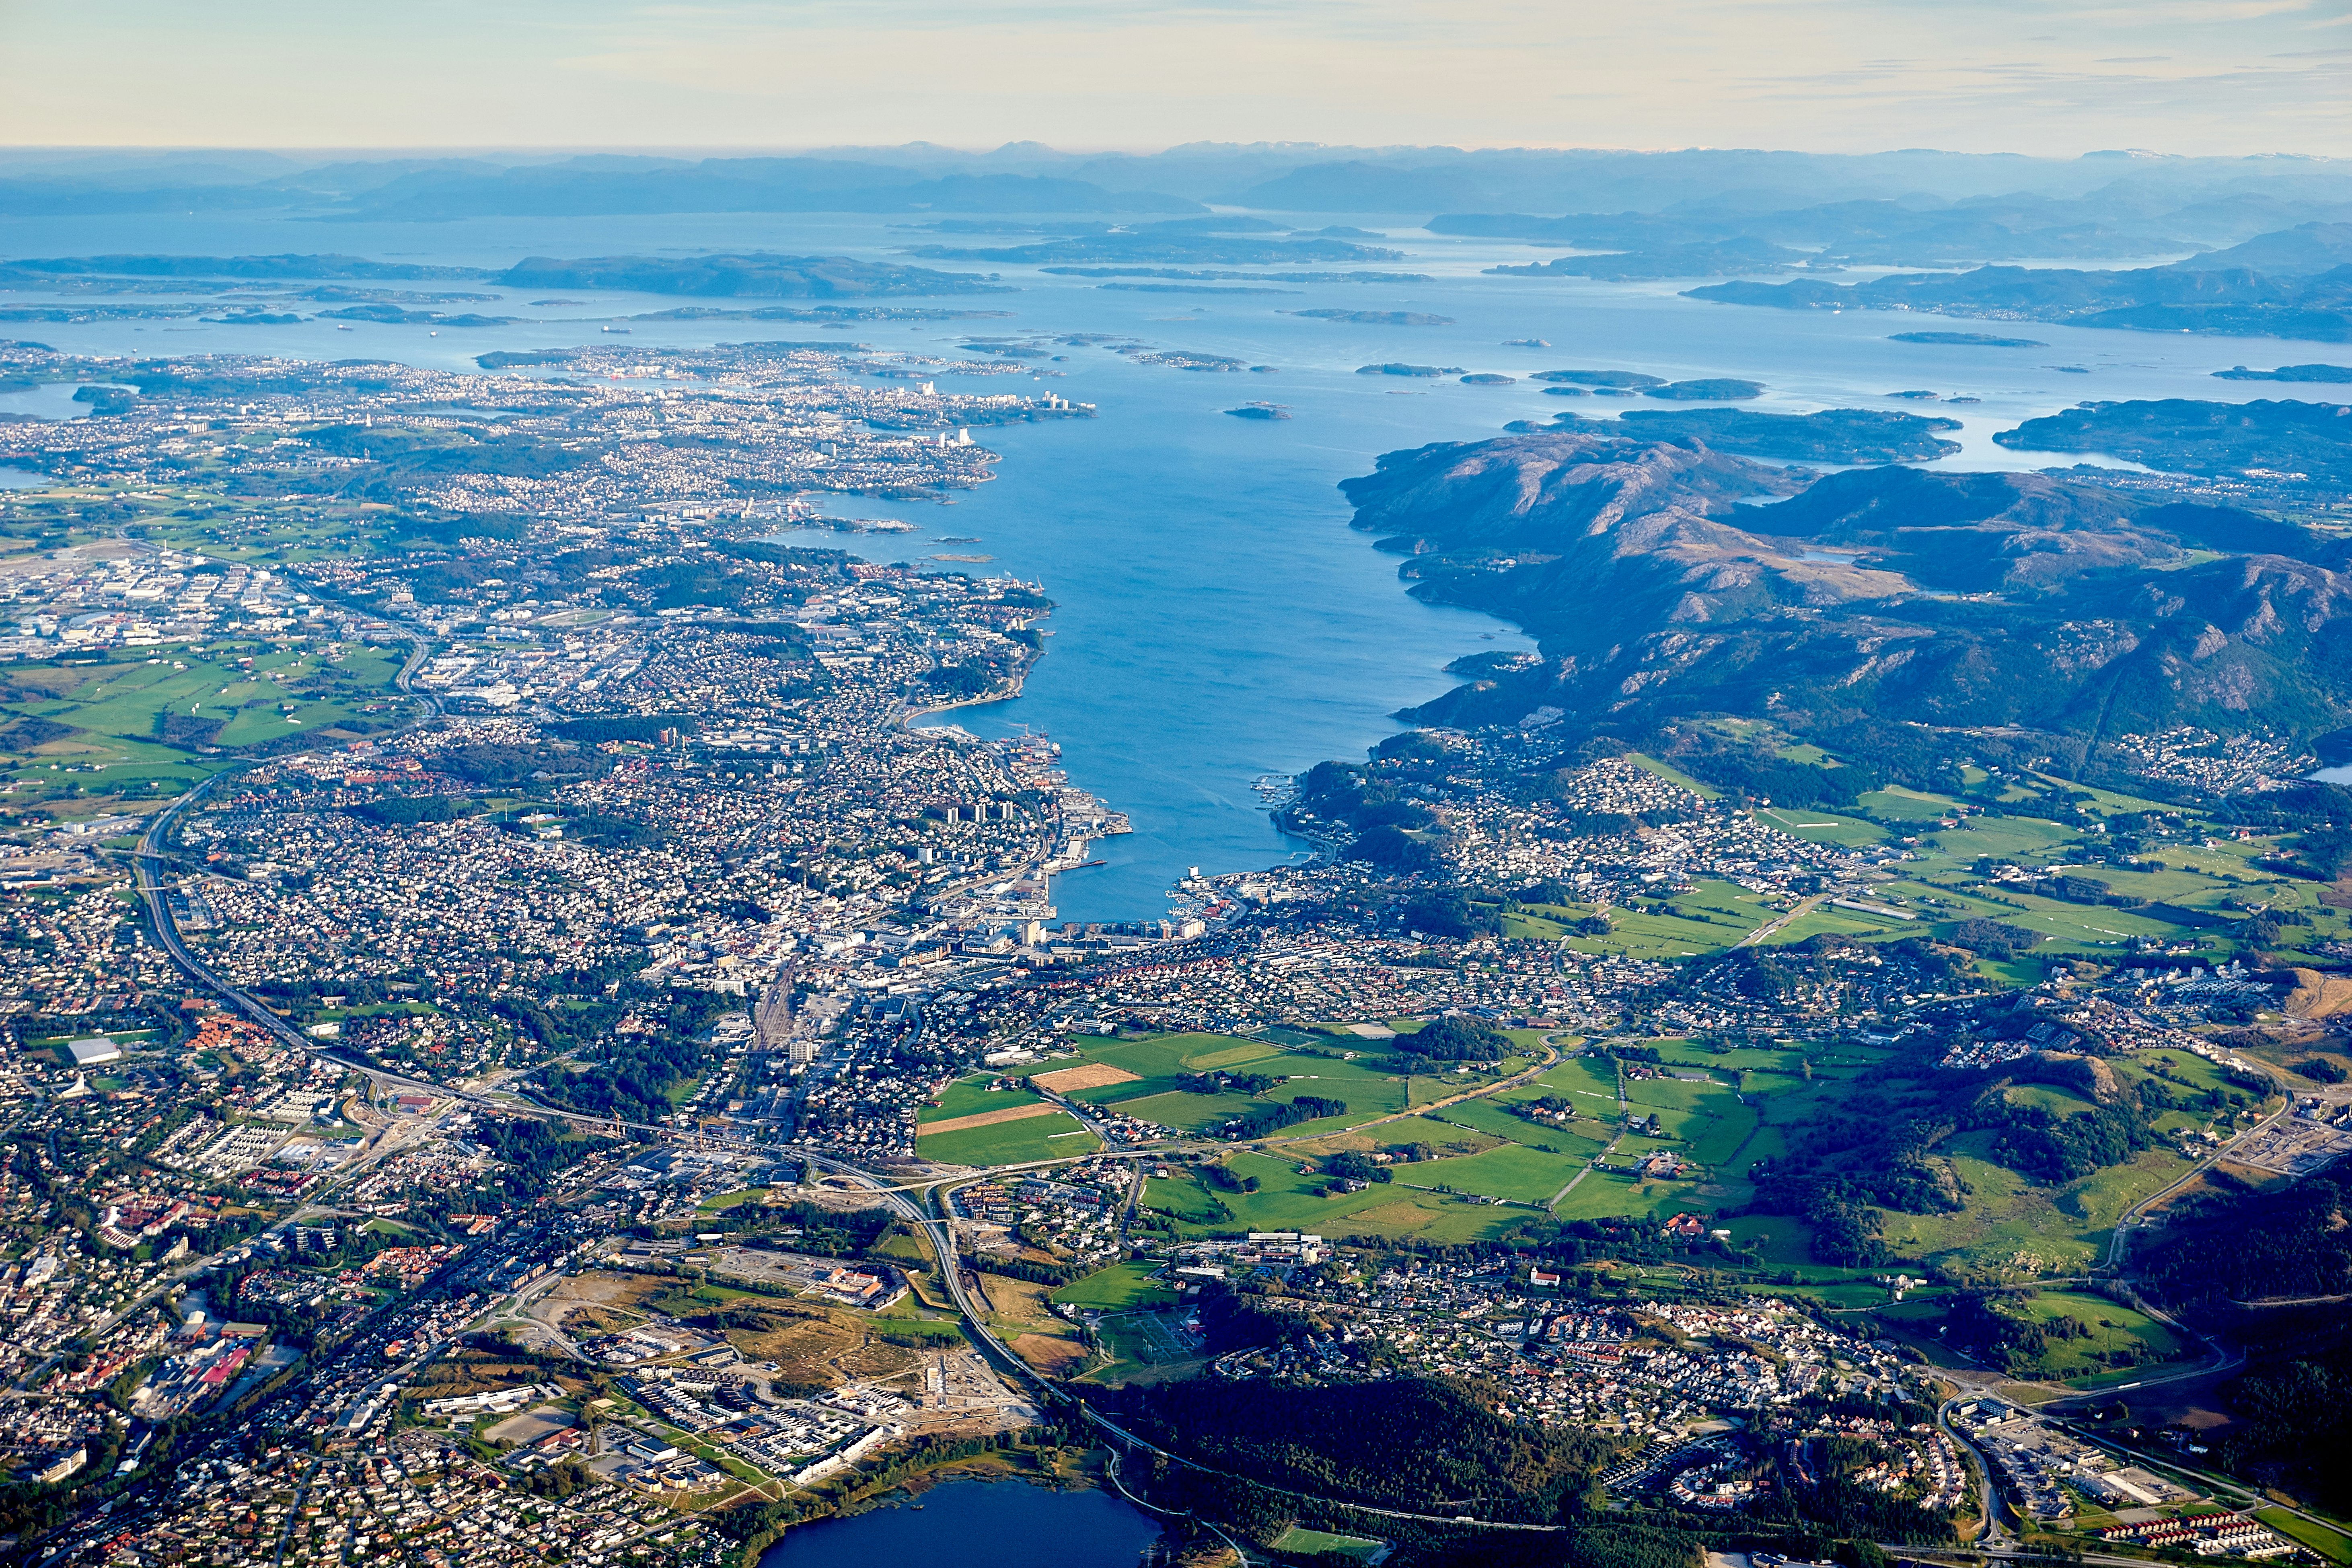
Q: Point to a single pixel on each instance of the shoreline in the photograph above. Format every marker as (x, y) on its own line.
(987, 1468)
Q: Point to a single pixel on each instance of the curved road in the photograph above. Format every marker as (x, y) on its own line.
(2117, 1242)
(1993, 1530)
(932, 1220)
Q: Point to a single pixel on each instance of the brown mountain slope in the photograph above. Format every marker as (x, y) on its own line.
(1662, 578)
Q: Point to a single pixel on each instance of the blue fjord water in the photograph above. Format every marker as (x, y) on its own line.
(1217, 619)
(978, 1524)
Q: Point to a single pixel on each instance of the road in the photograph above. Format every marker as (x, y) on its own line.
(933, 1222)
(2222, 1488)
(309, 1212)
(529, 1310)
(1993, 1532)
(2004, 1552)
(1551, 1060)
(2117, 1244)
(294, 1510)
(147, 864)
(1562, 1195)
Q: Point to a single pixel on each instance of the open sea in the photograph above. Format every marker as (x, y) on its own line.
(1217, 619)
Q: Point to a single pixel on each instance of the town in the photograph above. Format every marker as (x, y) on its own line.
(529, 1019)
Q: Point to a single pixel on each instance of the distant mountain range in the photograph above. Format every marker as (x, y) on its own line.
(449, 190)
(1862, 233)
(1659, 587)
(1891, 207)
(2201, 295)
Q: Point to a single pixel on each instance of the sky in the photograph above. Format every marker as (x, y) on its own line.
(2043, 77)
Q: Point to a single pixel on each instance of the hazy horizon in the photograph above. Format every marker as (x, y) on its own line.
(527, 153)
(1834, 76)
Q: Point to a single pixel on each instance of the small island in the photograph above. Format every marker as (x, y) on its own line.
(1619, 378)
(1525, 344)
(2288, 372)
(1713, 389)
(1394, 368)
(1192, 288)
(399, 315)
(1184, 359)
(1489, 378)
(1967, 339)
(1566, 392)
(1377, 318)
(505, 359)
(1698, 259)
(1260, 411)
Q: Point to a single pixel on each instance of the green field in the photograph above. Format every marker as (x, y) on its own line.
(1182, 1197)
(129, 699)
(2088, 925)
(1121, 1288)
(1607, 1193)
(1582, 1079)
(718, 1203)
(1287, 1200)
(2014, 1228)
(1309, 1542)
(972, 1096)
(1582, 1139)
(1054, 1137)
(1160, 1062)
(1481, 1151)
(1906, 805)
(2111, 1328)
(1706, 917)
(1509, 1171)
(2333, 1544)
(1673, 776)
(1707, 1117)
(1185, 1112)
(1821, 826)
(2056, 1102)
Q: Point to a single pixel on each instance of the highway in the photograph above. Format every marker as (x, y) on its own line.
(148, 863)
